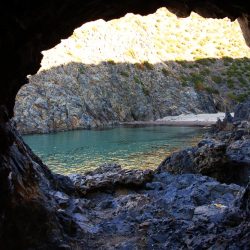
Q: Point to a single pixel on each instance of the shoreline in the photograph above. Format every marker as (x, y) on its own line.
(190, 120)
(171, 123)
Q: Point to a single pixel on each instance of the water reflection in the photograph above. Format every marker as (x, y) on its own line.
(82, 150)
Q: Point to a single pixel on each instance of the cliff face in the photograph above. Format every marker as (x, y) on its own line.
(29, 218)
(136, 68)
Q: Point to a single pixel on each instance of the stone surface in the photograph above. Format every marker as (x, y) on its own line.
(42, 27)
(25, 200)
(242, 111)
(107, 176)
(187, 210)
(223, 154)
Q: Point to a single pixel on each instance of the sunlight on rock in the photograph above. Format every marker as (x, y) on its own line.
(154, 38)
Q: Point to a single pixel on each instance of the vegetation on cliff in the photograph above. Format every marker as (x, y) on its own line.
(136, 68)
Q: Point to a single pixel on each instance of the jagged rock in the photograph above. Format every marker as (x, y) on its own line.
(187, 210)
(110, 175)
(131, 208)
(208, 154)
(228, 117)
(26, 184)
(225, 124)
(223, 155)
(242, 111)
(239, 151)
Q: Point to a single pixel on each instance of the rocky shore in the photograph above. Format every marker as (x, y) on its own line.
(198, 198)
(224, 155)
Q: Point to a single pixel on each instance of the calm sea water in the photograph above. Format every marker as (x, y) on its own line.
(82, 150)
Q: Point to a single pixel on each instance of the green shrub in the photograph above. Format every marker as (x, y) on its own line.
(148, 65)
(212, 90)
(205, 61)
(137, 80)
(242, 81)
(125, 73)
(232, 96)
(205, 72)
(144, 88)
(184, 80)
(199, 86)
(165, 72)
(230, 83)
(227, 59)
(81, 70)
(110, 61)
(242, 97)
(183, 63)
(216, 79)
(238, 98)
(196, 78)
(184, 84)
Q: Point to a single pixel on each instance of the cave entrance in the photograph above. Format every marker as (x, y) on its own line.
(32, 198)
(106, 74)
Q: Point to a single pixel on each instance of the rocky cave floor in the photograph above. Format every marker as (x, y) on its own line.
(176, 206)
(187, 211)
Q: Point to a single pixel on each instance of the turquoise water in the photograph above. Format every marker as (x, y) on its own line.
(82, 150)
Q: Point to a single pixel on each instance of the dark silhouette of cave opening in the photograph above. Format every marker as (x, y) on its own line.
(28, 215)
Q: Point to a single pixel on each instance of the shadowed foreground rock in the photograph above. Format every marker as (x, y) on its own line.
(114, 208)
(169, 212)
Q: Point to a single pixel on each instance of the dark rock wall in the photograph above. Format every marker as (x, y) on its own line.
(244, 22)
(27, 27)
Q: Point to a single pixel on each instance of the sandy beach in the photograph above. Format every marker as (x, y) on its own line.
(199, 120)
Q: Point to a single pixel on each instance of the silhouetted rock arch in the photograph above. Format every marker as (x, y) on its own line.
(28, 217)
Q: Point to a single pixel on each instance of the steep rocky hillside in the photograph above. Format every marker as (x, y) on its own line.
(136, 68)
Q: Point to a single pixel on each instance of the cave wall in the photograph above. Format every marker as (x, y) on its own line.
(27, 28)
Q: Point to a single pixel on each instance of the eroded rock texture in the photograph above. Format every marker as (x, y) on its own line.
(27, 210)
(170, 212)
(224, 154)
(32, 217)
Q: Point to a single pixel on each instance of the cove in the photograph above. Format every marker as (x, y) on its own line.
(141, 147)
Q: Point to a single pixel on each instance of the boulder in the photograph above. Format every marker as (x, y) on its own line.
(242, 111)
